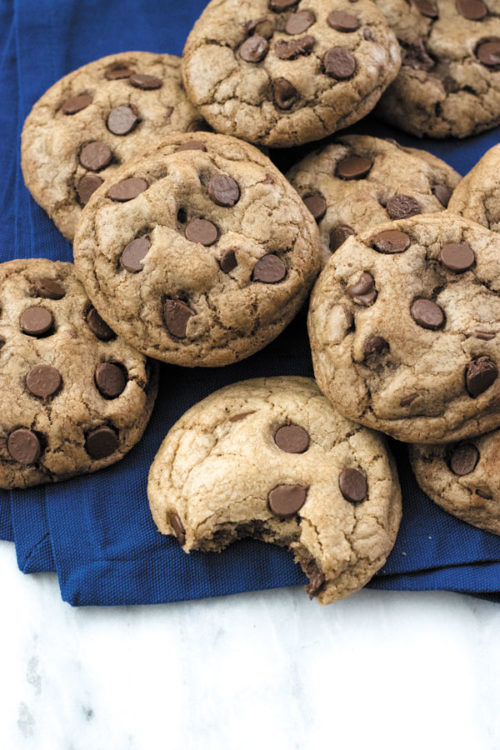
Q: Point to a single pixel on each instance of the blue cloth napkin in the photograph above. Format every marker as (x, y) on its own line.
(96, 531)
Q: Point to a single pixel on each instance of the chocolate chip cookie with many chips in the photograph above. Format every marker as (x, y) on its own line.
(359, 181)
(75, 398)
(449, 82)
(404, 325)
(477, 196)
(284, 72)
(463, 478)
(93, 120)
(271, 459)
(199, 254)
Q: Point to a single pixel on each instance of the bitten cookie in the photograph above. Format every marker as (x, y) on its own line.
(75, 398)
(404, 325)
(359, 182)
(272, 459)
(477, 195)
(463, 478)
(200, 254)
(449, 82)
(93, 120)
(284, 72)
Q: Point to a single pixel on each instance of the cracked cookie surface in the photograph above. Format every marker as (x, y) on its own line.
(404, 324)
(93, 120)
(477, 195)
(449, 82)
(271, 458)
(284, 73)
(75, 397)
(199, 254)
(463, 478)
(358, 182)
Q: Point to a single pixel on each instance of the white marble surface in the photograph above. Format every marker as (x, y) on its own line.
(268, 670)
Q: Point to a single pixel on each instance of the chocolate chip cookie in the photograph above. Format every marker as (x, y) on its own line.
(449, 82)
(278, 73)
(270, 458)
(404, 325)
(75, 398)
(199, 254)
(358, 182)
(93, 120)
(477, 196)
(463, 478)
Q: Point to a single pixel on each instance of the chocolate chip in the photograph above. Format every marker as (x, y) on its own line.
(110, 379)
(191, 146)
(285, 93)
(485, 494)
(24, 446)
(116, 73)
(269, 269)
(43, 381)
(146, 82)
(202, 231)
(95, 156)
(442, 193)
(176, 315)
(279, 5)
(128, 189)
(338, 236)
(342, 21)
(293, 48)
(353, 485)
(363, 291)
(101, 442)
(464, 459)
(134, 253)
(99, 328)
(197, 125)
(417, 57)
(480, 374)
(457, 257)
(367, 35)
(402, 206)
(407, 400)
(354, 167)
(316, 205)
(168, 113)
(339, 63)
(292, 438)
(122, 120)
(177, 527)
(223, 190)
(391, 241)
(488, 52)
(263, 26)
(88, 185)
(239, 417)
(427, 314)
(254, 49)
(427, 8)
(36, 321)
(485, 335)
(473, 10)
(49, 288)
(228, 261)
(316, 578)
(286, 500)
(76, 103)
(299, 22)
(375, 345)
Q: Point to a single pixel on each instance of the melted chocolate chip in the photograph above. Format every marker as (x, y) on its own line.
(285, 93)
(353, 485)
(254, 49)
(192, 146)
(464, 459)
(292, 438)
(316, 205)
(354, 167)
(134, 253)
(99, 328)
(442, 193)
(269, 269)
(176, 315)
(480, 374)
(338, 236)
(427, 314)
(49, 288)
(95, 156)
(427, 8)
(36, 321)
(122, 120)
(128, 189)
(417, 57)
(177, 527)
(24, 446)
(101, 442)
(202, 231)
(363, 291)
(43, 381)
(402, 206)
(115, 74)
(391, 241)
(488, 52)
(286, 500)
(316, 578)
(76, 103)
(145, 82)
(88, 185)
(223, 190)
(339, 63)
(299, 22)
(280, 5)
(293, 48)
(228, 261)
(342, 21)
(375, 345)
(457, 257)
(110, 379)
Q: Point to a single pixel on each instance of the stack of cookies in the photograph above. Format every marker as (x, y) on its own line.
(192, 248)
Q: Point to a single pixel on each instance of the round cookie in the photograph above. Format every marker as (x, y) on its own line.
(449, 82)
(270, 458)
(358, 182)
(284, 72)
(93, 120)
(404, 324)
(477, 195)
(75, 398)
(463, 478)
(199, 254)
